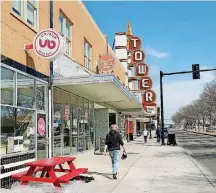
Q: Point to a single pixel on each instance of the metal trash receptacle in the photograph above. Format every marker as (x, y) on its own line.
(171, 140)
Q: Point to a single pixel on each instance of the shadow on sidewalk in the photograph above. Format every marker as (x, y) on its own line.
(132, 153)
(146, 144)
(108, 176)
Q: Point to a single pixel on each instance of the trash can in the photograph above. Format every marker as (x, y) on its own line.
(171, 139)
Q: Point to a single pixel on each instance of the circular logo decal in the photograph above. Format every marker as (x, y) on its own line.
(41, 126)
(106, 63)
(48, 44)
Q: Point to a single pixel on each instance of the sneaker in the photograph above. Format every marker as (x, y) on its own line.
(114, 176)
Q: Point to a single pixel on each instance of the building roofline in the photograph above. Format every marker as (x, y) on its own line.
(98, 29)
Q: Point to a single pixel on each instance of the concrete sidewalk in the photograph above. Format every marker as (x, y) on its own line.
(149, 168)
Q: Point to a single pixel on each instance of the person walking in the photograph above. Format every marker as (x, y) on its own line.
(145, 134)
(158, 134)
(113, 143)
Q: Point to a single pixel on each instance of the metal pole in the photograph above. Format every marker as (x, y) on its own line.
(162, 110)
(50, 94)
(150, 128)
(128, 140)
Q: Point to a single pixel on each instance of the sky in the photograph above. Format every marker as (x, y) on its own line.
(174, 36)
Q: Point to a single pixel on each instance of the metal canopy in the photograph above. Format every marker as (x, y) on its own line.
(100, 89)
(135, 112)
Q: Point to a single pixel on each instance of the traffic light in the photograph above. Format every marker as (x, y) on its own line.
(195, 71)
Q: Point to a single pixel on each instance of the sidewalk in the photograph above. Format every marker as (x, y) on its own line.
(149, 168)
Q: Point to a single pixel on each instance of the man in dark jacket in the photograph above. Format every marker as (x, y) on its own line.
(113, 143)
(158, 134)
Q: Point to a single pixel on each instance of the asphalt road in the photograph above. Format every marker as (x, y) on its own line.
(201, 147)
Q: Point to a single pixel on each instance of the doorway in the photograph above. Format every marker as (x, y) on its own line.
(112, 119)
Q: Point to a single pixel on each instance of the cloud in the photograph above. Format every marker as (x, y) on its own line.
(152, 52)
(178, 93)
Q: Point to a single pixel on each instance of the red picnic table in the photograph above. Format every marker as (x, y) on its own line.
(48, 169)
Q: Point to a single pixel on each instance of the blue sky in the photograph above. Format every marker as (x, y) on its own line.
(174, 36)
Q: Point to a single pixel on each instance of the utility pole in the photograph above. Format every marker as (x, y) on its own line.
(162, 108)
(161, 88)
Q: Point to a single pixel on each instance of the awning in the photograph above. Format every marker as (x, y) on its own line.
(101, 88)
(136, 112)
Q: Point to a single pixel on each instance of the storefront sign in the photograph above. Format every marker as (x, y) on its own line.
(67, 112)
(48, 44)
(142, 69)
(41, 127)
(141, 72)
(145, 83)
(138, 56)
(134, 43)
(149, 97)
(106, 63)
(151, 109)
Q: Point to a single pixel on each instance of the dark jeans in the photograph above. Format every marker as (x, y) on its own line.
(145, 138)
(158, 139)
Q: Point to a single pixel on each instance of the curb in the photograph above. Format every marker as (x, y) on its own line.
(205, 172)
(201, 133)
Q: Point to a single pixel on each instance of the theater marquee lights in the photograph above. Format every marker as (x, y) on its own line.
(145, 83)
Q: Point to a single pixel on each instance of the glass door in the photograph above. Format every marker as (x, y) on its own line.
(81, 126)
(74, 129)
(42, 142)
(57, 130)
(66, 130)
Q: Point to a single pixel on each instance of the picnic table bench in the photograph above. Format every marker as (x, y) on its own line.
(48, 169)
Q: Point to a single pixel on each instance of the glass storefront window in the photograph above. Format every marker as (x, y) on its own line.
(74, 100)
(91, 127)
(41, 96)
(91, 105)
(66, 127)
(25, 91)
(74, 129)
(7, 86)
(73, 123)
(57, 131)
(81, 125)
(17, 130)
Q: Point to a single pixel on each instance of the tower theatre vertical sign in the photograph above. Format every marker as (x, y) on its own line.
(145, 83)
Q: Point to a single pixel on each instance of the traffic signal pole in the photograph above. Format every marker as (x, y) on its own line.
(162, 109)
(161, 93)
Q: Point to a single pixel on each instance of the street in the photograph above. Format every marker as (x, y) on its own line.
(201, 147)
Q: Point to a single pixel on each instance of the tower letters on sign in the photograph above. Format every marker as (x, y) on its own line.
(142, 74)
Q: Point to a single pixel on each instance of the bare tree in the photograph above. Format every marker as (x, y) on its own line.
(200, 110)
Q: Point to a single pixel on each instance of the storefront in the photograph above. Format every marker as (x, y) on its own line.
(73, 127)
(23, 120)
(111, 97)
